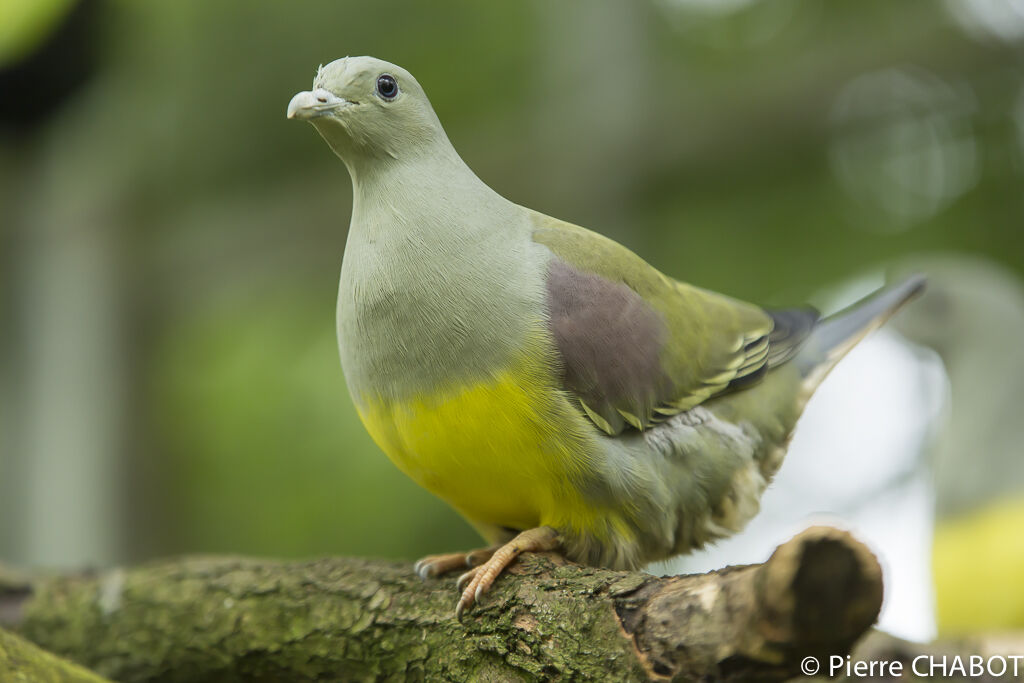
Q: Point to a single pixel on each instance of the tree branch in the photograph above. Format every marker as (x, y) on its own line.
(234, 619)
(20, 660)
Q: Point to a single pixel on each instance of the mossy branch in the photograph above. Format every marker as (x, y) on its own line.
(235, 619)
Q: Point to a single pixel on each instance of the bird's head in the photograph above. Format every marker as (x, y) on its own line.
(366, 108)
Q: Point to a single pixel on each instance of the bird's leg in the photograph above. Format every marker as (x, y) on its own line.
(435, 565)
(479, 579)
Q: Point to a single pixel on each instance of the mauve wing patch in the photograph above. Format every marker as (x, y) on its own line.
(610, 342)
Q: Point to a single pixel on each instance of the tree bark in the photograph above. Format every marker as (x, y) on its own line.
(342, 619)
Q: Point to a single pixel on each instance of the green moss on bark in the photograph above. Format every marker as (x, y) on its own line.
(229, 620)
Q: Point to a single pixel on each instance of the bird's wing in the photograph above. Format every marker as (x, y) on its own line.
(637, 346)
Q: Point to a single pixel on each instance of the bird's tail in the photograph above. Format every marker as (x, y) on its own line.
(836, 335)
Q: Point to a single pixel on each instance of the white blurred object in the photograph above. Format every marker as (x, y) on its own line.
(972, 314)
(857, 461)
(989, 19)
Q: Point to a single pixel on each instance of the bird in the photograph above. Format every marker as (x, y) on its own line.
(555, 389)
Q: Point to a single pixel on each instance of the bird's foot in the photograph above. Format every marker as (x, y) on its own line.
(479, 579)
(435, 565)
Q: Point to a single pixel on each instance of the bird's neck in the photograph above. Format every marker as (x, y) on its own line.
(428, 199)
(420, 178)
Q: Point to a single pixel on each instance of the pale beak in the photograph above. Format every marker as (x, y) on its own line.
(313, 103)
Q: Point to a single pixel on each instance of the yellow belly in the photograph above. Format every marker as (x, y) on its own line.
(508, 451)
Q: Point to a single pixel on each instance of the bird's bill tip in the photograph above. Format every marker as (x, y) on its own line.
(301, 106)
(310, 104)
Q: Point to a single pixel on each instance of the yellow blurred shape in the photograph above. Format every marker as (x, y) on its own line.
(978, 563)
(24, 24)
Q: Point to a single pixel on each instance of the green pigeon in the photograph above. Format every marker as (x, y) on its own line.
(545, 381)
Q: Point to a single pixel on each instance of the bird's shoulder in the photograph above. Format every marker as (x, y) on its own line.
(636, 345)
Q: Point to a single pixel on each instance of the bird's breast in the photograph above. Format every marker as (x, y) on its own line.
(507, 450)
(415, 314)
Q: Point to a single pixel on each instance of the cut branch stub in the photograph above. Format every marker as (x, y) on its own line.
(815, 596)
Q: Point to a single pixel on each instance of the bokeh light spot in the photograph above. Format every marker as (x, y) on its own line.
(904, 146)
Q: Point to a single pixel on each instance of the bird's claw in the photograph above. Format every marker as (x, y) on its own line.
(473, 585)
(465, 578)
(435, 565)
(423, 568)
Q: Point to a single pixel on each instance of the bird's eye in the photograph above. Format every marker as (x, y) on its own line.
(387, 87)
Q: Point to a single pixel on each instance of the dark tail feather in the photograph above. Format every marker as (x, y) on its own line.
(837, 334)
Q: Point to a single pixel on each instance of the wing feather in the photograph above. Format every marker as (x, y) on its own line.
(637, 346)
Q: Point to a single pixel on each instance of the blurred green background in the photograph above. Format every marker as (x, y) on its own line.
(170, 243)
